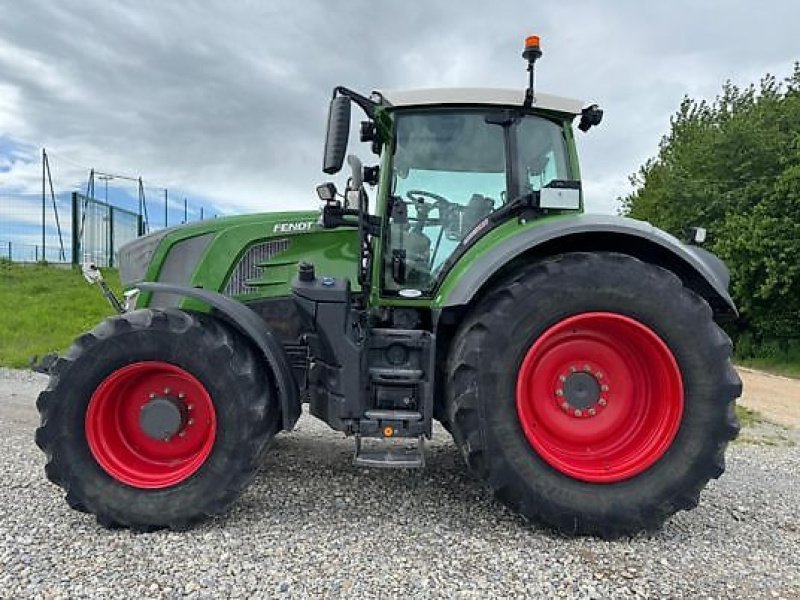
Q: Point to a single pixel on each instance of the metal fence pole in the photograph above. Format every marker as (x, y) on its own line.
(76, 241)
(110, 236)
(9, 250)
(44, 204)
(61, 255)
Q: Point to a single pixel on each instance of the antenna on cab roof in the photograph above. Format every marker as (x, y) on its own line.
(531, 53)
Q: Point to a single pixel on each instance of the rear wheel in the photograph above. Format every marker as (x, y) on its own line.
(593, 392)
(156, 419)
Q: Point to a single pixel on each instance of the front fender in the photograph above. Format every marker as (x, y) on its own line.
(594, 232)
(255, 329)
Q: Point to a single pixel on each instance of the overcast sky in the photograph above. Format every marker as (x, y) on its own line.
(227, 100)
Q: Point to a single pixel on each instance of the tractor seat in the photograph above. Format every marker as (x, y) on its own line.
(478, 208)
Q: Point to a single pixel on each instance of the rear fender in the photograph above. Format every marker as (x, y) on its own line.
(700, 270)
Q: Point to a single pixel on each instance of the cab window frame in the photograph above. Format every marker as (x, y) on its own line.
(515, 182)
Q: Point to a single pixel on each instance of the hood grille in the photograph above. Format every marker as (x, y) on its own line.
(248, 269)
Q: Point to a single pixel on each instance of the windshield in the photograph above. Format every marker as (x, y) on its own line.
(451, 169)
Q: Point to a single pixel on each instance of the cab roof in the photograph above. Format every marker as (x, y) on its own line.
(498, 96)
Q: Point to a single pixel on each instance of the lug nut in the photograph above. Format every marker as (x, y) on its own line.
(565, 406)
(592, 412)
(587, 368)
(599, 375)
(190, 422)
(562, 378)
(167, 391)
(190, 407)
(602, 402)
(152, 395)
(181, 395)
(604, 387)
(559, 392)
(182, 434)
(572, 369)
(578, 412)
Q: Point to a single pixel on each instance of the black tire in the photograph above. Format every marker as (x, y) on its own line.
(221, 359)
(488, 351)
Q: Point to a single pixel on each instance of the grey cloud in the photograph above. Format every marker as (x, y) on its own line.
(228, 100)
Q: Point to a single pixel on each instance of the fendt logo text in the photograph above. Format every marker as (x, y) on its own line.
(290, 227)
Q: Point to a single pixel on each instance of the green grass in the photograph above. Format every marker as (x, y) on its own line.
(788, 366)
(780, 356)
(43, 308)
(748, 417)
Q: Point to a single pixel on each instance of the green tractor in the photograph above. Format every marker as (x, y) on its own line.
(575, 359)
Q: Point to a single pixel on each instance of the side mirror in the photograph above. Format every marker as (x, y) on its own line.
(338, 132)
(590, 116)
(352, 197)
(326, 192)
(696, 235)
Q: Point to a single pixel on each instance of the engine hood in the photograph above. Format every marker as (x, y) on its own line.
(246, 256)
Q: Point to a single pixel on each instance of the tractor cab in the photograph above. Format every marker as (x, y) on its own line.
(455, 162)
(453, 169)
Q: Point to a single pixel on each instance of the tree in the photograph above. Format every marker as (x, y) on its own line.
(733, 166)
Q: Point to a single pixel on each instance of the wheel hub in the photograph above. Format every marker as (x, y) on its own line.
(581, 390)
(162, 417)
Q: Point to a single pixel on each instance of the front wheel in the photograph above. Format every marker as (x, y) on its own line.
(156, 419)
(593, 392)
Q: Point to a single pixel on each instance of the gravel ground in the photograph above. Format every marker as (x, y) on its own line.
(313, 525)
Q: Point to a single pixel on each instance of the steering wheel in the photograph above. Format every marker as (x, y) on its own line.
(418, 196)
(450, 217)
(442, 204)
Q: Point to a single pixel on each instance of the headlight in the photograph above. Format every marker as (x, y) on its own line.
(134, 257)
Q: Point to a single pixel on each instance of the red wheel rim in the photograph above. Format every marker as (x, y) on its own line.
(122, 447)
(600, 397)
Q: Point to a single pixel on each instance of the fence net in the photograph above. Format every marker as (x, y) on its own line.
(99, 229)
(29, 229)
(38, 226)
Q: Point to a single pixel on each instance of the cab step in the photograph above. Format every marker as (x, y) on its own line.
(393, 415)
(390, 453)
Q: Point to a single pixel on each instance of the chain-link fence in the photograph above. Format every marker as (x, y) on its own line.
(29, 230)
(99, 229)
(90, 225)
(72, 227)
(75, 228)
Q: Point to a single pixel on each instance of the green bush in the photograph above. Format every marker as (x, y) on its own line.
(733, 166)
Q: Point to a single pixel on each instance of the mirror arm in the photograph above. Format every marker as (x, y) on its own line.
(520, 203)
(367, 105)
(334, 216)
